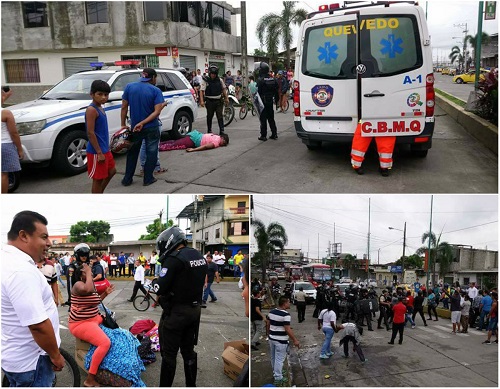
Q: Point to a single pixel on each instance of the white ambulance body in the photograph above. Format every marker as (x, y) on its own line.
(371, 63)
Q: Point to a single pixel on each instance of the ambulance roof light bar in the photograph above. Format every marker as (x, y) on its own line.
(355, 4)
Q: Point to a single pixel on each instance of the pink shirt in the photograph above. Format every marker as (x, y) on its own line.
(210, 138)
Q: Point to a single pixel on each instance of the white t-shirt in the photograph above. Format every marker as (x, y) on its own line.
(139, 274)
(152, 259)
(113, 260)
(104, 264)
(58, 269)
(327, 317)
(5, 134)
(26, 300)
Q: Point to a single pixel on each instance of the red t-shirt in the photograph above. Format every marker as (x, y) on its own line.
(399, 313)
(409, 301)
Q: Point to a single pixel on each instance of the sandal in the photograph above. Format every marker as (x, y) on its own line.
(162, 170)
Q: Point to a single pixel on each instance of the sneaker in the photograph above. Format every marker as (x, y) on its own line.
(390, 342)
(329, 353)
(129, 300)
(262, 138)
(204, 304)
(366, 360)
(413, 326)
(213, 301)
(487, 342)
(275, 137)
(324, 356)
(346, 356)
(495, 341)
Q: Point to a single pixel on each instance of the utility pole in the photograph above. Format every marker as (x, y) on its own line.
(368, 254)
(403, 259)
(478, 44)
(160, 215)
(464, 56)
(244, 58)
(429, 250)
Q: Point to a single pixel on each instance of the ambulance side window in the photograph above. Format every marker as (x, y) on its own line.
(329, 51)
(391, 44)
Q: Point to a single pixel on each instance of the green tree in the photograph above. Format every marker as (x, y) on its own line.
(472, 40)
(441, 252)
(259, 53)
(268, 239)
(414, 261)
(156, 228)
(89, 231)
(274, 29)
(456, 55)
(348, 263)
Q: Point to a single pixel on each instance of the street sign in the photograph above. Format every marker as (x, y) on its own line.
(163, 51)
(490, 11)
(396, 269)
(175, 52)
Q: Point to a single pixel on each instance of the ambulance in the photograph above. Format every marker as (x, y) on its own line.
(368, 63)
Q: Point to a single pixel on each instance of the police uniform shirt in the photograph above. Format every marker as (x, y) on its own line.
(209, 94)
(267, 87)
(182, 276)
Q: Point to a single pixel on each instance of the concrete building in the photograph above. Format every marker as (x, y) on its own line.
(44, 42)
(473, 265)
(219, 223)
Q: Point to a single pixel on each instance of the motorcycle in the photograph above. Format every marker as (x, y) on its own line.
(229, 110)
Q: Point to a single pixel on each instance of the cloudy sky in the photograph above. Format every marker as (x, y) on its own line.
(128, 215)
(462, 219)
(442, 17)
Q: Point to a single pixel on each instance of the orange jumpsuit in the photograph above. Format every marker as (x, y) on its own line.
(385, 147)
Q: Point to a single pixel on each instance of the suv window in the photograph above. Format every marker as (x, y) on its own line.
(75, 87)
(176, 81)
(124, 79)
(392, 50)
(163, 82)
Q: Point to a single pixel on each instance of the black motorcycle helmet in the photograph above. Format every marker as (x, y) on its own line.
(263, 68)
(213, 69)
(168, 240)
(82, 250)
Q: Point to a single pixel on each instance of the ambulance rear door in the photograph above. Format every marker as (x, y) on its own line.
(327, 80)
(393, 71)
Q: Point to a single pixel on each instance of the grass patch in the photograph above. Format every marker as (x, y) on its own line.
(447, 96)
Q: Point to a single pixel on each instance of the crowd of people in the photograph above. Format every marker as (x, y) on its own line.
(356, 308)
(31, 326)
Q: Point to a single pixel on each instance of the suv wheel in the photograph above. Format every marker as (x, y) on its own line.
(70, 155)
(182, 123)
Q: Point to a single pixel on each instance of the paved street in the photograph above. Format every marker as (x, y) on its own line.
(446, 84)
(222, 321)
(457, 163)
(429, 356)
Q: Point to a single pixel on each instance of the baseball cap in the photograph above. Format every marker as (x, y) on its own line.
(147, 74)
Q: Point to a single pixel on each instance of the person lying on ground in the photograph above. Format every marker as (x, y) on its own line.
(196, 141)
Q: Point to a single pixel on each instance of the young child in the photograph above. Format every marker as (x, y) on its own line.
(100, 161)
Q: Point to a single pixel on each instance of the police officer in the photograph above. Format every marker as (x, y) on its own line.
(351, 294)
(267, 87)
(364, 310)
(82, 255)
(212, 92)
(385, 306)
(180, 287)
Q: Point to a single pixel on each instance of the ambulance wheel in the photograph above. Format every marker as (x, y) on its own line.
(314, 146)
(419, 153)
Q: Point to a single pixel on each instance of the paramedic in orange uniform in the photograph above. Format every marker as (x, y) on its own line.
(360, 144)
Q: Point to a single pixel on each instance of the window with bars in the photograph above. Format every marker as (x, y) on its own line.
(217, 233)
(238, 228)
(21, 70)
(35, 14)
(97, 12)
(147, 61)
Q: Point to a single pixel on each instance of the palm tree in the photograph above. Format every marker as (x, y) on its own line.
(472, 40)
(348, 262)
(273, 29)
(268, 239)
(440, 252)
(456, 55)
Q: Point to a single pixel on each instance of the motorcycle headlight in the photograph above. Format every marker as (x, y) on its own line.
(30, 128)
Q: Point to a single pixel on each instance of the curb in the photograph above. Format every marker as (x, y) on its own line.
(484, 131)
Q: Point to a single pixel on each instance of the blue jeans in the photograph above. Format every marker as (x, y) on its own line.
(208, 291)
(142, 154)
(408, 318)
(481, 318)
(151, 136)
(328, 340)
(157, 269)
(42, 376)
(278, 355)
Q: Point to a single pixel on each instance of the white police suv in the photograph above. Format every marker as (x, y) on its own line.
(52, 128)
(369, 62)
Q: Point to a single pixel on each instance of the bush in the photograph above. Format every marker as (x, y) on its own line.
(487, 105)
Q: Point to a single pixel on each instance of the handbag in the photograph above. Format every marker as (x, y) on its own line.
(108, 321)
(101, 285)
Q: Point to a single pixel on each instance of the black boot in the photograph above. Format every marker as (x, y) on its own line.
(190, 370)
(167, 373)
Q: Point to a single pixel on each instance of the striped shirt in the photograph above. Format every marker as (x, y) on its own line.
(278, 319)
(83, 307)
(49, 271)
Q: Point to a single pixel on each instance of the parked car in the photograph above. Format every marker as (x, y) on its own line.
(52, 127)
(281, 275)
(345, 280)
(470, 76)
(309, 290)
(271, 275)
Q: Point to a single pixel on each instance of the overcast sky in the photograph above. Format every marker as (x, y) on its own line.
(128, 214)
(441, 18)
(463, 219)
